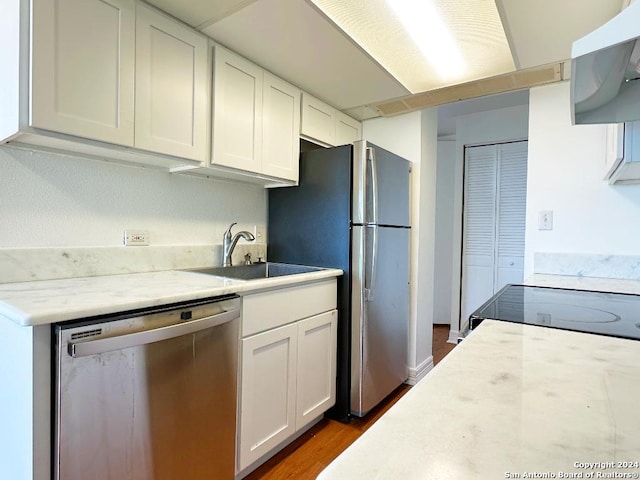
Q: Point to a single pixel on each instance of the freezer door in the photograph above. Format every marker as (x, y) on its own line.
(382, 180)
(380, 317)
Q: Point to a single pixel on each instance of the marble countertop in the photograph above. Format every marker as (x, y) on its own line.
(49, 301)
(510, 399)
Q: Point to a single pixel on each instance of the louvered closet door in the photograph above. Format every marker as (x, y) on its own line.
(494, 221)
(512, 189)
(479, 227)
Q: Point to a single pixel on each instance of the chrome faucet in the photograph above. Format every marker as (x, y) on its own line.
(229, 243)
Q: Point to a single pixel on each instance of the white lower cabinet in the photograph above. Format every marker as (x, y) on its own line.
(316, 375)
(268, 391)
(288, 372)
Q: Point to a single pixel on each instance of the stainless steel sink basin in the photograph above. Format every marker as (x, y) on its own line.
(257, 270)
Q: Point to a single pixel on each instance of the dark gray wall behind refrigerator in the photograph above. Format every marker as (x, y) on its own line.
(311, 225)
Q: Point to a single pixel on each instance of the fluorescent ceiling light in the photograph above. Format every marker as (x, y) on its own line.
(426, 44)
(426, 27)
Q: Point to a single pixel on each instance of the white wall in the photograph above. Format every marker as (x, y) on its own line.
(445, 181)
(500, 125)
(426, 237)
(51, 200)
(404, 135)
(400, 135)
(566, 167)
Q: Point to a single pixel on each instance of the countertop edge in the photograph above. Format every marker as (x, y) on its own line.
(206, 286)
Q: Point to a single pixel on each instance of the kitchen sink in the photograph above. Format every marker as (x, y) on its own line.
(257, 270)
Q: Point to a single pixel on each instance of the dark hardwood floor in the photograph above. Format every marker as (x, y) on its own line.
(305, 458)
(440, 346)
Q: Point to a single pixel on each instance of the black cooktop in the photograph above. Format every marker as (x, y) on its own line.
(611, 314)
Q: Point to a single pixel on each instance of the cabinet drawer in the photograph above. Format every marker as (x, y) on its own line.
(262, 311)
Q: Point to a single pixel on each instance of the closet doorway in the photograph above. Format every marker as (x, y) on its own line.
(493, 231)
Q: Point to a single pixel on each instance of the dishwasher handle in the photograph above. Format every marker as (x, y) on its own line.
(102, 345)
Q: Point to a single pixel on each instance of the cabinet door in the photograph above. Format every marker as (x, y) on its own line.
(281, 128)
(615, 148)
(267, 405)
(82, 77)
(318, 120)
(316, 389)
(237, 112)
(348, 129)
(171, 87)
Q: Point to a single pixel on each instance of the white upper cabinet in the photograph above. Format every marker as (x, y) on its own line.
(237, 112)
(83, 68)
(348, 130)
(622, 159)
(281, 128)
(324, 124)
(318, 119)
(256, 118)
(98, 77)
(171, 86)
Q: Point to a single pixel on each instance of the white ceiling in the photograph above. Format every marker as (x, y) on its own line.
(542, 31)
(294, 40)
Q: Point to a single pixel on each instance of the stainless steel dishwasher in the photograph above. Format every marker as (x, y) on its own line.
(149, 395)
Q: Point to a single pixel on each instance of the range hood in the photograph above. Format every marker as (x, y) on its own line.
(605, 71)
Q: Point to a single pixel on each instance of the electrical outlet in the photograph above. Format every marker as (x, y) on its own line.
(545, 220)
(136, 237)
(259, 233)
(544, 318)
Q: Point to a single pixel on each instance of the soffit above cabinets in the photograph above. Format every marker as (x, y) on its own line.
(200, 13)
(295, 40)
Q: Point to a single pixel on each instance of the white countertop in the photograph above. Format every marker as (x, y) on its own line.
(48, 301)
(509, 399)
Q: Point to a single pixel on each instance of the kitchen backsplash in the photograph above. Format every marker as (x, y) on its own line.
(588, 265)
(29, 264)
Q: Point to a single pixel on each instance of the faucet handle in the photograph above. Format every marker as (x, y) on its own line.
(227, 232)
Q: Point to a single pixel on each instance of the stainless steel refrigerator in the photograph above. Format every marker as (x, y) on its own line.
(351, 211)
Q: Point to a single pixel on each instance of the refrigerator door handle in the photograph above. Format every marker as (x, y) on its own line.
(371, 160)
(360, 171)
(371, 260)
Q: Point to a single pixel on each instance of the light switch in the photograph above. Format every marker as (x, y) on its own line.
(545, 220)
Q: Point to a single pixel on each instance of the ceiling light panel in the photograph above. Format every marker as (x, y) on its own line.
(426, 44)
